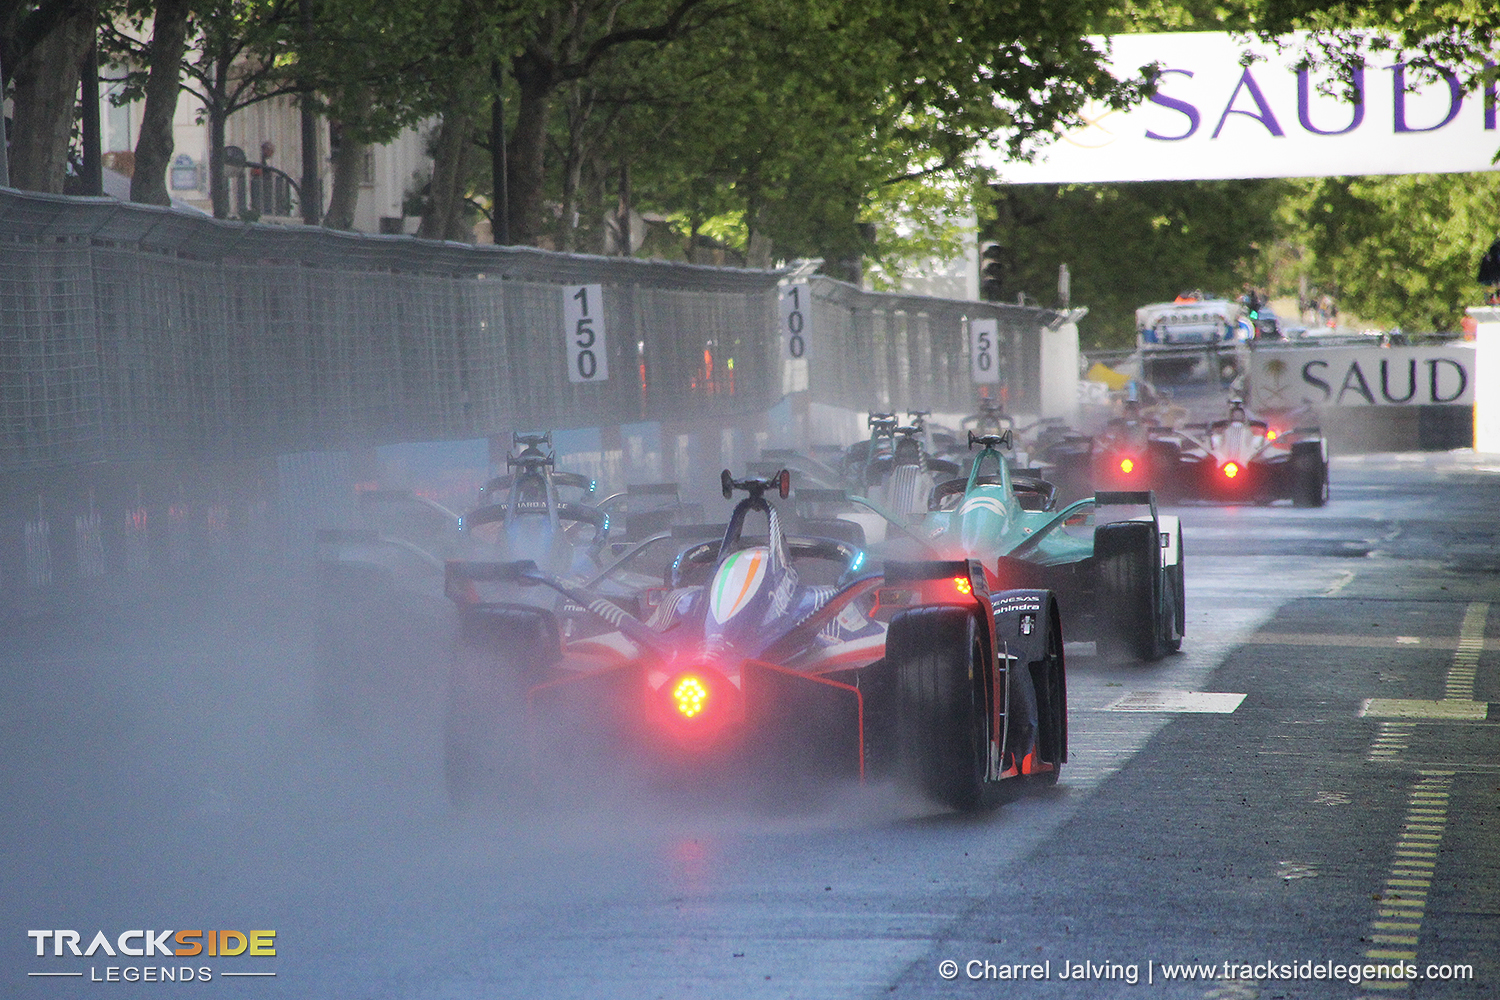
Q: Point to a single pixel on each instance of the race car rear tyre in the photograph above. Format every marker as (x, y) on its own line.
(1175, 625)
(1309, 474)
(1129, 597)
(500, 653)
(1049, 680)
(939, 666)
(1165, 467)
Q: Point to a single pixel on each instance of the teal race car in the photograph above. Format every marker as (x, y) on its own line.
(1119, 581)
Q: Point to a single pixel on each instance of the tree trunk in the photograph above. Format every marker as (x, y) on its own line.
(443, 219)
(311, 186)
(153, 150)
(527, 150)
(218, 182)
(92, 174)
(567, 225)
(500, 196)
(348, 170)
(44, 99)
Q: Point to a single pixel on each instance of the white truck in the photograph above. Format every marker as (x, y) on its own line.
(1174, 336)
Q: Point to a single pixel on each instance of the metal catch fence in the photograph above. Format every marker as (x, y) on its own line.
(157, 368)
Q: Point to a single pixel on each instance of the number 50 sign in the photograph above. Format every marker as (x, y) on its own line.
(583, 328)
(984, 353)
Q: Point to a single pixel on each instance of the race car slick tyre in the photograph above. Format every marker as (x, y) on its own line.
(1049, 680)
(500, 653)
(1129, 591)
(1165, 468)
(1175, 624)
(1309, 475)
(940, 670)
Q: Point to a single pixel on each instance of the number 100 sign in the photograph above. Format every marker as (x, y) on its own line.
(984, 350)
(583, 326)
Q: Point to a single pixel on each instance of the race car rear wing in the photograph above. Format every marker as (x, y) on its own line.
(1127, 498)
(1104, 498)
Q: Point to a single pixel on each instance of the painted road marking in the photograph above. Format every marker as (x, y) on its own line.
(1460, 683)
(1457, 703)
(1177, 701)
(1390, 742)
(1368, 641)
(1417, 708)
(1396, 929)
(1346, 578)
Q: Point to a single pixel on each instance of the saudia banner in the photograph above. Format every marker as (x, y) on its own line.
(1216, 116)
(1287, 378)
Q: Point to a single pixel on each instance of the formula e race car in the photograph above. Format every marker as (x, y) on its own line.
(894, 464)
(771, 650)
(1246, 459)
(380, 601)
(1119, 583)
(1132, 452)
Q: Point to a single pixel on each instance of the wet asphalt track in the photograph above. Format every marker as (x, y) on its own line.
(167, 766)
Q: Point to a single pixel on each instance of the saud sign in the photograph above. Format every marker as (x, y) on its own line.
(1227, 106)
(1282, 378)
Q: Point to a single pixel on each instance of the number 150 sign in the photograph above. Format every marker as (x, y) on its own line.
(583, 327)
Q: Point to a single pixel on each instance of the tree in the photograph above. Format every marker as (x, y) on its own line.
(1130, 244)
(44, 48)
(235, 58)
(1398, 251)
(163, 86)
(803, 119)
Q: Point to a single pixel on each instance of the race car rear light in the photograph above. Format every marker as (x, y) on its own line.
(1231, 470)
(689, 695)
(963, 586)
(1270, 435)
(1127, 465)
(694, 707)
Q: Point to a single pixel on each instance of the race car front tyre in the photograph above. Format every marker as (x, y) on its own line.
(940, 670)
(1129, 591)
(1309, 474)
(500, 653)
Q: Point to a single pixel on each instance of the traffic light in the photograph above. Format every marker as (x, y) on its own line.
(992, 272)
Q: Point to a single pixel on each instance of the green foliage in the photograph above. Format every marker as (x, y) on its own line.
(1398, 251)
(1130, 244)
(813, 120)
